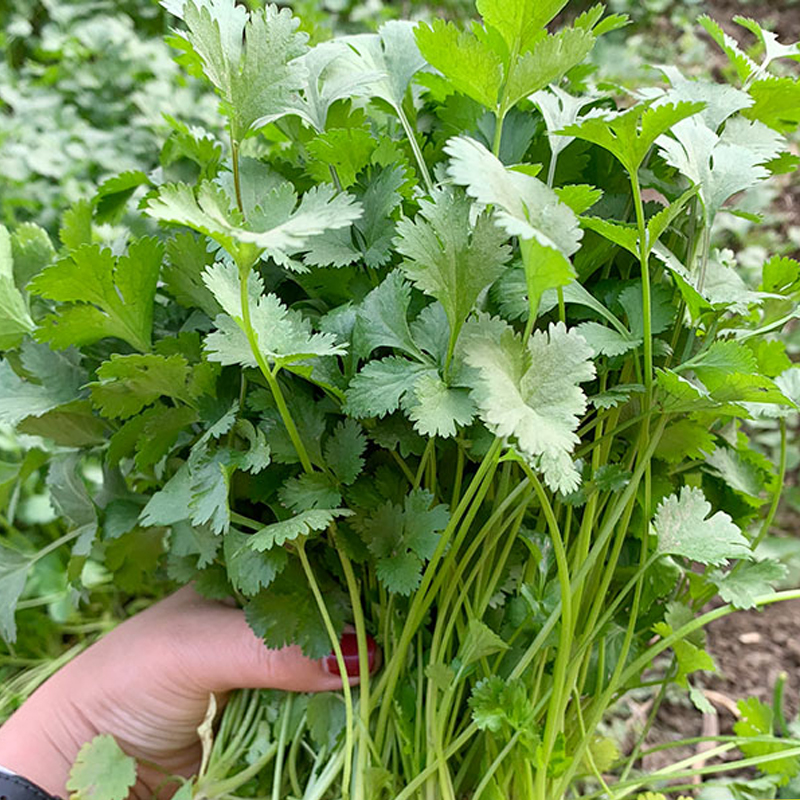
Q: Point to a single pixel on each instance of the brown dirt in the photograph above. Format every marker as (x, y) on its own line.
(751, 649)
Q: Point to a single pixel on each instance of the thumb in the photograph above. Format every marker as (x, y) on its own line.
(235, 658)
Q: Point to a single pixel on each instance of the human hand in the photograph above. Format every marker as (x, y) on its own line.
(148, 683)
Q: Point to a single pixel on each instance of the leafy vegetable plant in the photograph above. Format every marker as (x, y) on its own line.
(437, 344)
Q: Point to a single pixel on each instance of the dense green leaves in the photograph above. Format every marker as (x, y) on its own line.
(107, 295)
(530, 391)
(235, 49)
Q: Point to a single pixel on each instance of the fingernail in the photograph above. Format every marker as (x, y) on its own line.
(349, 645)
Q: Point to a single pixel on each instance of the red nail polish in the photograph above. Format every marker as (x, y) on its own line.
(349, 645)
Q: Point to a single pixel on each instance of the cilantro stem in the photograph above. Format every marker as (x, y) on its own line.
(493, 767)
(412, 140)
(337, 649)
(278, 774)
(776, 495)
(363, 663)
(467, 508)
(271, 377)
(644, 260)
(555, 712)
(237, 181)
(500, 116)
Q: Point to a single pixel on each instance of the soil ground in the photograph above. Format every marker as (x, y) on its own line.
(751, 649)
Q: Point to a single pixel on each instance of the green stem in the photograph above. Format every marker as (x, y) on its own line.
(237, 185)
(495, 765)
(337, 649)
(277, 777)
(555, 711)
(776, 496)
(644, 261)
(271, 377)
(363, 668)
(412, 140)
(499, 116)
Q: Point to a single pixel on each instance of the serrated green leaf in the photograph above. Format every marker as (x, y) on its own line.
(519, 23)
(249, 571)
(402, 538)
(32, 251)
(720, 165)
(548, 60)
(187, 259)
(309, 490)
(437, 409)
(327, 718)
(448, 258)
(113, 194)
(757, 720)
(531, 393)
(69, 425)
(235, 49)
(467, 62)
(304, 524)
(480, 641)
(58, 381)
(381, 386)
(389, 58)
(282, 229)
(14, 568)
(526, 207)
(382, 318)
(630, 134)
(685, 439)
(344, 451)
(684, 528)
(741, 586)
(283, 336)
(129, 383)
(286, 613)
(109, 296)
(102, 771)
(777, 103)
(606, 341)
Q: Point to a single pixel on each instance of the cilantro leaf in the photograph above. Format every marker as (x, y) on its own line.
(128, 383)
(58, 381)
(31, 250)
(282, 228)
(304, 524)
(286, 613)
(468, 62)
(684, 528)
(235, 49)
(15, 321)
(757, 719)
(344, 451)
(102, 771)
(380, 386)
(630, 134)
(309, 490)
(530, 392)
(749, 580)
(720, 165)
(402, 537)
(248, 570)
(382, 318)
(437, 409)
(283, 336)
(110, 296)
(497, 703)
(448, 258)
(389, 58)
(14, 568)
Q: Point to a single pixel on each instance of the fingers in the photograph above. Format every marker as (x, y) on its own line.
(215, 649)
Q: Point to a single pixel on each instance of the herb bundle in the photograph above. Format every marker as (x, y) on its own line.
(412, 350)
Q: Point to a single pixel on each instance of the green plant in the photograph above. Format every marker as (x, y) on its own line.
(390, 376)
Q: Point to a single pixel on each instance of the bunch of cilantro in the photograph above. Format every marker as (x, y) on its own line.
(411, 350)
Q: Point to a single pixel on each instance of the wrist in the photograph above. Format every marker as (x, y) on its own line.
(35, 744)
